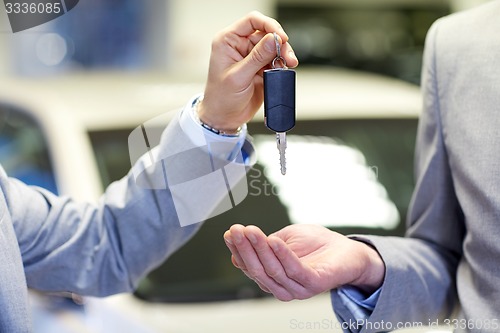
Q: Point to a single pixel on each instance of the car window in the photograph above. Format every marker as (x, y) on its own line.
(24, 153)
(202, 271)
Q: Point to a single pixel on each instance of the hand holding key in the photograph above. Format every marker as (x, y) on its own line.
(240, 54)
(279, 101)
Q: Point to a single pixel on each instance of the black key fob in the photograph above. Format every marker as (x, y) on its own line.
(279, 99)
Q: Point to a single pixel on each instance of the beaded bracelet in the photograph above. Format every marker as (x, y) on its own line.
(196, 102)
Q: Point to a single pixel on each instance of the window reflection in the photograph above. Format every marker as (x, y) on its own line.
(327, 183)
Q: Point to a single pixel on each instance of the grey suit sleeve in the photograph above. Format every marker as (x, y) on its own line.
(108, 247)
(419, 284)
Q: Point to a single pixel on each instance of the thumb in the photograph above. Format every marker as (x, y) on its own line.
(261, 56)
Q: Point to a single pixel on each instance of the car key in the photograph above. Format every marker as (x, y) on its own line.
(279, 101)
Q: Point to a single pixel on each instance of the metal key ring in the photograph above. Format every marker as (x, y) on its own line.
(278, 45)
(283, 62)
(278, 53)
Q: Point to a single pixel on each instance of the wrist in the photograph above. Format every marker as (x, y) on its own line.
(373, 272)
(219, 127)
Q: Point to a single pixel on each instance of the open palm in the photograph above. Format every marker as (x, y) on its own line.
(299, 261)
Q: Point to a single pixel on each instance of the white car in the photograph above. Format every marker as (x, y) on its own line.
(349, 167)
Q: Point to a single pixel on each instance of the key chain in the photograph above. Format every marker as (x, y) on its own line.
(279, 101)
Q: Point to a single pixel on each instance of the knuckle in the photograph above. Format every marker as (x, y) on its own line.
(218, 39)
(274, 273)
(254, 14)
(294, 274)
(258, 56)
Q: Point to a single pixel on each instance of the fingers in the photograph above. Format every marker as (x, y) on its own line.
(292, 267)
(256, 21)
(289, 55)
(272, 265)
(236, 259)
(253, 39)
(242, 249)
(265, 27)
(254, 256)
(286, 51)
(262, 55)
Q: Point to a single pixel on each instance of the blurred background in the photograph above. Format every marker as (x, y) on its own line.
(384, 36)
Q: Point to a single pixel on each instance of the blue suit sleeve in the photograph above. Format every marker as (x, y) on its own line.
(107, 247)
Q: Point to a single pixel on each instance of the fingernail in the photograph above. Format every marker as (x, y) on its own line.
(228, 240)
(292, 55)
(237, 238)
(270, 45)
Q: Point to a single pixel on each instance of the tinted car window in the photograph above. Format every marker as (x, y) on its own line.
(23, 149)
(201, 270)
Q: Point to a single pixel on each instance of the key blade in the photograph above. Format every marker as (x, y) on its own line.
(281, 142)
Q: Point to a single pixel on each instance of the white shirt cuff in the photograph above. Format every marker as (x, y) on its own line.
(203, 137)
